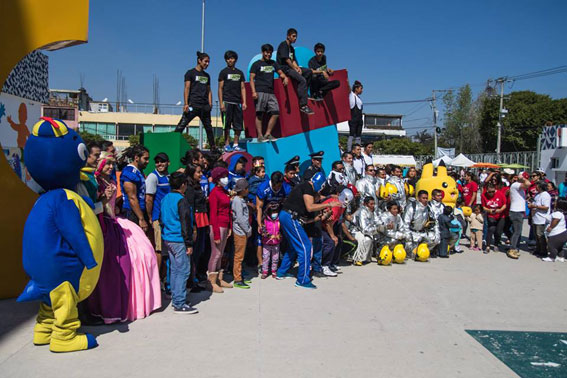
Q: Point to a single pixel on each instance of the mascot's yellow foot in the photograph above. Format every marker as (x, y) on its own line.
(79, 342)
(44, 325)
(64, 337)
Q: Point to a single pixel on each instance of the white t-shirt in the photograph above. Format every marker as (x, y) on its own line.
(542, 216)
(559, 227)
(517, 198)
(367, 159)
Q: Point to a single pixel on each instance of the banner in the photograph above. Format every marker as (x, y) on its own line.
(450, 152)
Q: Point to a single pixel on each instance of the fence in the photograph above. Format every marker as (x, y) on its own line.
(527, 158)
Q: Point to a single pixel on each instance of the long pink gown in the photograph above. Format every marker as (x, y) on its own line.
(145, 294)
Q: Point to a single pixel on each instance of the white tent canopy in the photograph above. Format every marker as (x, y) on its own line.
(462, 161)
(446, 159)
(401, 160)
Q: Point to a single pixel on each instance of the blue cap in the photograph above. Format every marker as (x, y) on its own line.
(318, 179)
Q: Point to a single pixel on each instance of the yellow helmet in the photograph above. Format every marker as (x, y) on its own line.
(385, 256)
(409, 189)
(391, 189)
(399, 254)
(467, 211)
(383, 192)
(422, 252)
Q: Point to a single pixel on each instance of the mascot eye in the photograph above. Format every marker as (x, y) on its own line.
(445, 185)
(82, 150)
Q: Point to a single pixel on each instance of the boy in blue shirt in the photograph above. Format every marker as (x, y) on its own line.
(176, 219)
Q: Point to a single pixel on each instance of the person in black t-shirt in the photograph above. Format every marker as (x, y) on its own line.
(262, 86)
(320, 84)
(302, 76)
(298, 211)
(198, 98)
(232, 99)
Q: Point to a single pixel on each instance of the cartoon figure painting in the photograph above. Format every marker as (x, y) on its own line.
(20, 127)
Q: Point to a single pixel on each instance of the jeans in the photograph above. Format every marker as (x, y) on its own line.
(541, 243)
(180, 267)
(317, 254)
(328, 249)
(303, 82)
(204, 114)
(517, 219)
(320, 84)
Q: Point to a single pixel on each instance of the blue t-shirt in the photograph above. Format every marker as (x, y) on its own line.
(158, 185)
(267, 194)
(133, 175)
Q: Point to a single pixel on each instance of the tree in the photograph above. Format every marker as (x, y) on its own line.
(134, 140)
(88, 137)
(527, 113)
(461, 121)
(401, 146)
(423, 137)
(191, 140)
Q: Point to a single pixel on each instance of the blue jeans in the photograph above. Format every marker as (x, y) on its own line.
(180, 266)
(299, 247)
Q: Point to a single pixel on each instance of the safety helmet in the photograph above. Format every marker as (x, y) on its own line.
(385, 256)
(467, 211)
(422, 253)
(399, 254)
(318, 179)
(409, 189)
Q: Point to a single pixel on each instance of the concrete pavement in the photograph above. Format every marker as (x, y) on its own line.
(396, 321)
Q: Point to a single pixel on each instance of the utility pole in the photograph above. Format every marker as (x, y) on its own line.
(500, 81)
(202, 50)
(433, 106)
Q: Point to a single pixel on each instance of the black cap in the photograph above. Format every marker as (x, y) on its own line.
(293, 161)
(317, 155)
(162, 156)
(240, 185)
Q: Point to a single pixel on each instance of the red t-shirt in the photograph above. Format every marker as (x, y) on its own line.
(337, 211)
(468, 190)
(496, 202)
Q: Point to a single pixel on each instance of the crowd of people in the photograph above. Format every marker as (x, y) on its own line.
(199, 227)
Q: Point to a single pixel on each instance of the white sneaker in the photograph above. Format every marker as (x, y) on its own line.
(328, 272)
(559, 259)
(547, 259)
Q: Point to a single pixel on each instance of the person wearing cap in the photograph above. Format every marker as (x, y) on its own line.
(241, 230)
(297, 210)
(316, 163)
(157, 186)
(221, 227)
(291, 172)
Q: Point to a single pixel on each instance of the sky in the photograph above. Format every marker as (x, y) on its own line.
(399, 50)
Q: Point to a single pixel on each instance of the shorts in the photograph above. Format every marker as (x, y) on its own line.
(157, 238)
(267, 103)
(232, 116)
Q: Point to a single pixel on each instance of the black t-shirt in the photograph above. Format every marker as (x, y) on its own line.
(232, 77)
(295, 202)
(264, 71)
(200, 86)
(285, 51)
(314, 64)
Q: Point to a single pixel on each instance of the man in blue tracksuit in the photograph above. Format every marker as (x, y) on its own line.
(298, 209)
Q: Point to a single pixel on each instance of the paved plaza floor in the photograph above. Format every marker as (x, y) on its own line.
(371, 321)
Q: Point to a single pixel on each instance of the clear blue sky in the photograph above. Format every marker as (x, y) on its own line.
(399, 50)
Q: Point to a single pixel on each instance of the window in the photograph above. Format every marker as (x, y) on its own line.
(65, 114)
(126, 129)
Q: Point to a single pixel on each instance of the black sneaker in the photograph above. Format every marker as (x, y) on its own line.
(185, 309)
(319, 275)
(307, 110)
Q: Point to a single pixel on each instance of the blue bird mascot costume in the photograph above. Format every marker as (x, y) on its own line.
(63, 241)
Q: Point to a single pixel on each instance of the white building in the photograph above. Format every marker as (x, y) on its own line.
(377, 125)
(553, 152)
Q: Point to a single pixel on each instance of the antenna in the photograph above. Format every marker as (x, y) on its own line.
(82, 79)
(156, 95)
